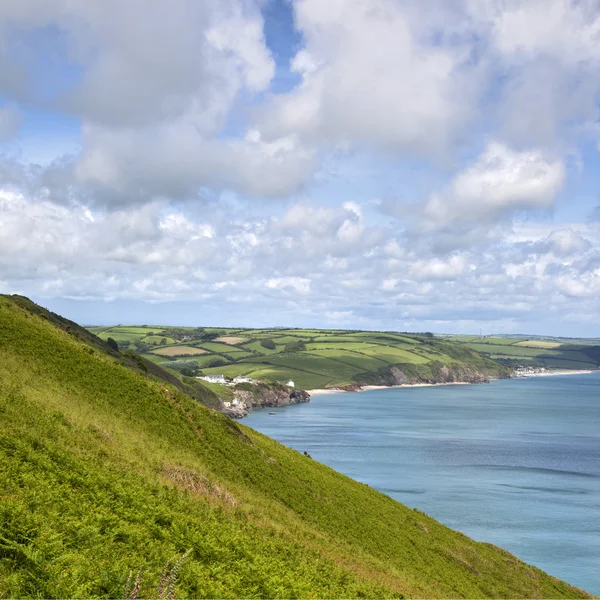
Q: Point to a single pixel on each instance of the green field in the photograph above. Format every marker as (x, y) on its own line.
(553, 353)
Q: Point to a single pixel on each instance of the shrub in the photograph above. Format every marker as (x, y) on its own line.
(217, 362)
(112, 344)
(269, 344)
(189, 368)
(296, 346)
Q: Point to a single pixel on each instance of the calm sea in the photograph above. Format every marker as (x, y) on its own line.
(514, 462)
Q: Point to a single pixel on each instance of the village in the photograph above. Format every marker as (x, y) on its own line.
(528, 371)
(235, 402)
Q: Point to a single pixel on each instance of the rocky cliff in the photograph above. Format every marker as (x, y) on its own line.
(247, 397)
(434, 372)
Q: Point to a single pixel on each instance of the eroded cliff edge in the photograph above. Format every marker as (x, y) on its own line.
(249, 396)
(433, 372)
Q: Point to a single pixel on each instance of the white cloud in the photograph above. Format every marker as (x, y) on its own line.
(500, 181)
(284, 265)
(144, 61)
(548, 54)
(371, 76)
(301, 285)
(154, 95)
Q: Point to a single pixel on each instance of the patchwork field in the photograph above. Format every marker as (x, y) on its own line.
(314, 358)
(311, 358)
(179, 351)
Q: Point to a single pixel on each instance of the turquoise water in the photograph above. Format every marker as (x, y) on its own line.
(514, 462)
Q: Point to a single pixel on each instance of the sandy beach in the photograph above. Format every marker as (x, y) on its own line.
(366, 388)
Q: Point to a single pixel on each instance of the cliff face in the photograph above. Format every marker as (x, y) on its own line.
(263, 396)
(435, 372)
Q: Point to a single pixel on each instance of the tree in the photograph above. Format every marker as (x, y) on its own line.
(112, 344)
(296, 346)
(163, 342)
(190, 371)
(141, 347)
(269, 344)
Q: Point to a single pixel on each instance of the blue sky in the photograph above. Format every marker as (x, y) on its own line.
(354, 163)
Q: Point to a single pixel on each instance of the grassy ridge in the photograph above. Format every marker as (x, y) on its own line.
(105, 469)
(552, 353)
(311, 358)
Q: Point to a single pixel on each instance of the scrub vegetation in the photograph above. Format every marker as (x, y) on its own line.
(109, 468)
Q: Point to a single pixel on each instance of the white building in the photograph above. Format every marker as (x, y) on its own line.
(214, 379)
(242, 379)
(290, 383)
(226, 404)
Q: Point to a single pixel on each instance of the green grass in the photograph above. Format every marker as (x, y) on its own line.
(155, 340)
(542, 351)
(105, 470)
(352, 357)
(219, 347)
(256, 347)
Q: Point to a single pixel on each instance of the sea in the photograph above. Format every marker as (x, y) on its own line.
(514, 462)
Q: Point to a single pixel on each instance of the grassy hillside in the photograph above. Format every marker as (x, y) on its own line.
(311, 358)
(105, 470)
(537, 351)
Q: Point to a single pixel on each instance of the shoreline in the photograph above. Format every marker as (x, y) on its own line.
(366, 388)
(557, 372)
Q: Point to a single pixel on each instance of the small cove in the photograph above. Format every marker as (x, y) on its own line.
(513, 462)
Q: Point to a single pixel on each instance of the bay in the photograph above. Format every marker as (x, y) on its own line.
(514, 462)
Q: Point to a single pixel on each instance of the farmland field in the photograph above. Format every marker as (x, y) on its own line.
(231, 339)
(553, 353)
(317, 358)
(178, 351)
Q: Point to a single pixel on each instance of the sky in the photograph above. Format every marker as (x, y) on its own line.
(408, 165)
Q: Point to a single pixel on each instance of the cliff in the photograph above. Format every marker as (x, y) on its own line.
(434, 372)
(249, 396)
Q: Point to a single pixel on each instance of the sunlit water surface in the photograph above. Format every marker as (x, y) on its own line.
(514, 462)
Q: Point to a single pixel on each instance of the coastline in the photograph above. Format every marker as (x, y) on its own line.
(558, 372)
(366, 388)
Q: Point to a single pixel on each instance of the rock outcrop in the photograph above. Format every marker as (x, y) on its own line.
(261, 395)
(434, 372)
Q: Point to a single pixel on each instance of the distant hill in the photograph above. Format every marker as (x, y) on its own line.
(535, 351)
(106, 469)
(312, 358)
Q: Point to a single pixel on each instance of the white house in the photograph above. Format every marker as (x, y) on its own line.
(226, 404)
(242, 379)
(214, 379)
(290, 383)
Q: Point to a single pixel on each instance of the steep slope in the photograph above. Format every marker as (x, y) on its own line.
(131, 360)
(104, 470)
